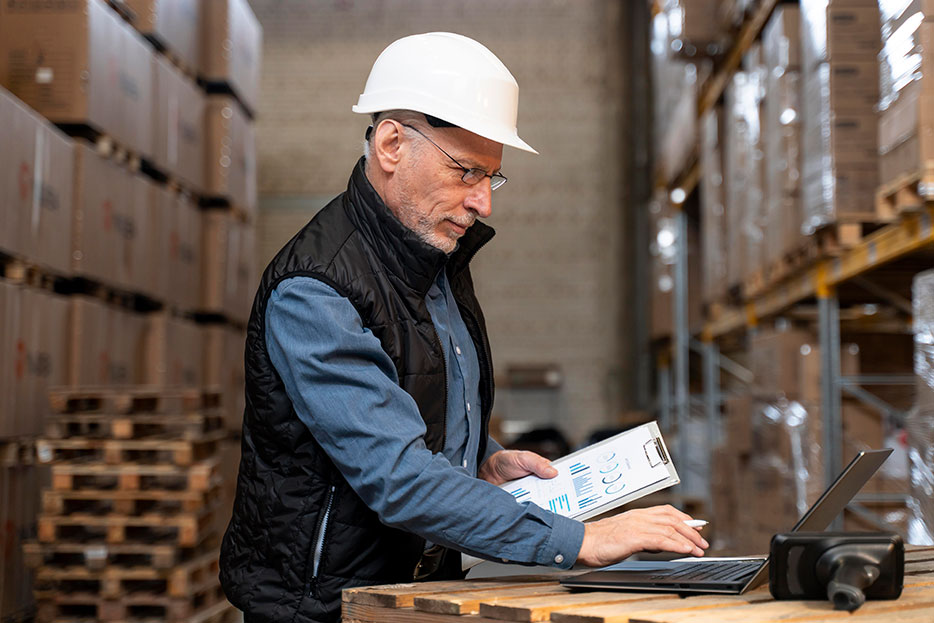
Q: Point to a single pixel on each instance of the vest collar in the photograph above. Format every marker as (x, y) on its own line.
(400, 250)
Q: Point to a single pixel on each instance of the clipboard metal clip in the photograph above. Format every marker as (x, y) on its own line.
(658, 450)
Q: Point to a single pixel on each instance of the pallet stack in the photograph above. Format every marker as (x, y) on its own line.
(129, 526)
(127, 210)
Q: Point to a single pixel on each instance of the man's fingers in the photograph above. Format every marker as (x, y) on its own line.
(537, 464)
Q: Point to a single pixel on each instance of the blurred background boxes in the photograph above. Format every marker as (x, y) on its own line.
(231, 154)
(79, 63)
(228, 271)
(231, 51)
(178, 126)
(173, 26)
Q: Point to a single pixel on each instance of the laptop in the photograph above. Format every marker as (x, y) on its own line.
(735, 575)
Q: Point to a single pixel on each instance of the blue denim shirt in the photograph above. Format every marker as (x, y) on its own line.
(345, 389)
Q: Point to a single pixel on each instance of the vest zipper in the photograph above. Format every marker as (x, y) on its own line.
(319, 541)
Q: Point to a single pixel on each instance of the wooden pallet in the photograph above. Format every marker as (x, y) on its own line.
(134, 426)
(127, 502)
(100, 555)
(160, 450)
(112, 582)
(134, 400)
(183, 529)
(908, 193)
(24, 272)
(83, 475)
(543, 599)
(207, 604)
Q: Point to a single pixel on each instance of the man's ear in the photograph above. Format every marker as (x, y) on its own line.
(388, 144)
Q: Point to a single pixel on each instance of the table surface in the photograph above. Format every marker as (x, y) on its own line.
(541, 598)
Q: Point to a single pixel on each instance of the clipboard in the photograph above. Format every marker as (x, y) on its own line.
(601, 477)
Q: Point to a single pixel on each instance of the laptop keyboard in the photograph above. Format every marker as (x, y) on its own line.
(726, 571)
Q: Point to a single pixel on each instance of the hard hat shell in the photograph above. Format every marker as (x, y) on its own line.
(448, 76)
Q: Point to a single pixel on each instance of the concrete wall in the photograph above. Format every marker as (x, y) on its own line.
(552, 282)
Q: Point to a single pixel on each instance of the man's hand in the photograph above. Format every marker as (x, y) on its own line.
(508, 465)
(659, 528)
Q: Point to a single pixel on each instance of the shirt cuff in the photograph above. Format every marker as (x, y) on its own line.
(567, 536)
(492, 447)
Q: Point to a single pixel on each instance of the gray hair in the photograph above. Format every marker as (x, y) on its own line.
(402, 116)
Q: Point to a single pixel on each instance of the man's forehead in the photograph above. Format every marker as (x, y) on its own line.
(473, 151)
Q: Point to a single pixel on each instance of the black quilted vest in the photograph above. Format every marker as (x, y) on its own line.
(286, 481)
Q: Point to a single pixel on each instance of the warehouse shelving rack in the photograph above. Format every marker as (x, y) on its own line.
(908, 239)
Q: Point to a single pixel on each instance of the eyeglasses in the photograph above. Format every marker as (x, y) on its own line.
(470, 176)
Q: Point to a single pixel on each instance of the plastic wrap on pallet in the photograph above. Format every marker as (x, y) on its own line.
(841, 39)
(676, 81)
(906, 119)
(713, 214)
(786, 444)
(743, 161)
(920, 421)
(782, 131)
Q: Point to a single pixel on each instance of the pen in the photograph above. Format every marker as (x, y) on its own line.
(695, 523)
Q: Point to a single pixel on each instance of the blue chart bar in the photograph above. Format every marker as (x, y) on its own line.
(578, 468)
(520, 493)
(585, 502)
(558, 504)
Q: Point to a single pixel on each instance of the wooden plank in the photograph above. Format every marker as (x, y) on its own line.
(468, 602)
(913, 598)
(352, 612)
(621, 613)
(538, 609)
(403, 595)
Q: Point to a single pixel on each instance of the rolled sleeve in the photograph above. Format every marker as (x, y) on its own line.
(345, 389)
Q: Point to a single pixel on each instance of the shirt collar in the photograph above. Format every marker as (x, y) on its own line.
(415, 262)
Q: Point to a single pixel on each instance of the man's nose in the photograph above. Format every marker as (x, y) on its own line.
(480, 198)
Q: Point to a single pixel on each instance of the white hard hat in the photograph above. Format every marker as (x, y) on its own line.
(450, 77)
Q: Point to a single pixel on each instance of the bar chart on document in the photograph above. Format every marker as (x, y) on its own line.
(602, 476)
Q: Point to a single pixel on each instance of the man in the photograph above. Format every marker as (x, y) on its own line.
(366, 456)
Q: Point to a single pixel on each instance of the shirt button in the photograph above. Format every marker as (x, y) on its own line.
(468, 407)
(457, 349)
(465, 463)
(559, 559)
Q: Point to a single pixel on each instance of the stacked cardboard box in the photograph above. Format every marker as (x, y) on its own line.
(20, 482)
(178, 126)
(172, 351)
(906, 120)
(79, 63)
(173, 26)
(176, 228)
(231, 154)
(229, 274)
(224, 369)
(840, 75)
(781, 222)
(36, 181)
(104, 344)
(232, 42)
(111, 243)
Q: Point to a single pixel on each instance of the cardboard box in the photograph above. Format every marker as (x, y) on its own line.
(178, 137)
(9, 328)
(79, 63)
(176, 268)
(39, 358)
(20, 486)
(232, 41)
(781, 37)
(228, 273)
(104, 344)
(838, 29)
(174, 25)
(224, 368)
(36, 184)
(173, 352)
(739, 416)
(110, 242)
(230, 153)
